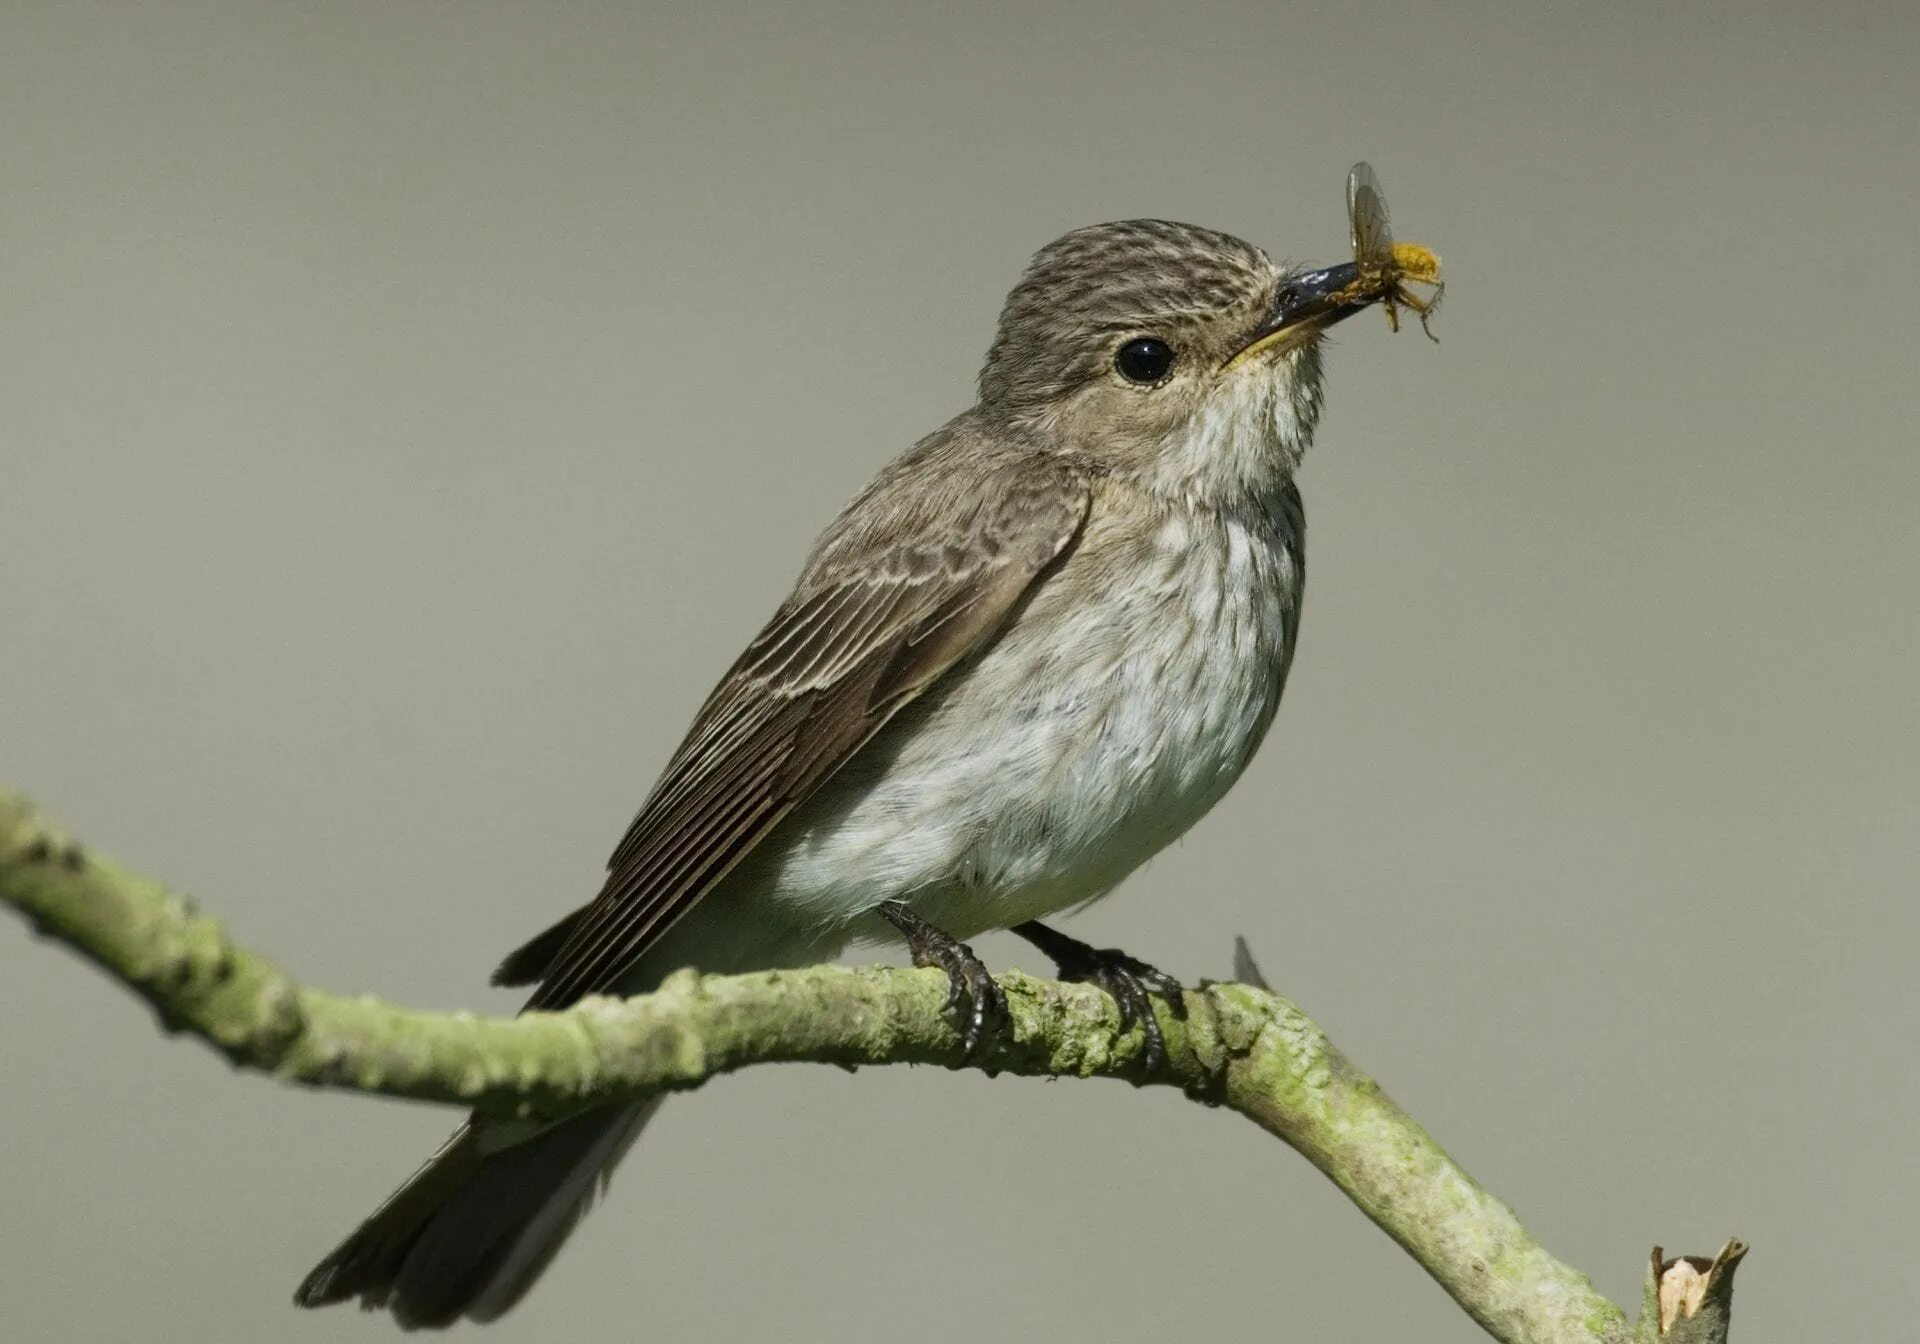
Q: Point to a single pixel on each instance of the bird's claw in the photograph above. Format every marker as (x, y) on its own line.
(973, 998)
(1130, 982)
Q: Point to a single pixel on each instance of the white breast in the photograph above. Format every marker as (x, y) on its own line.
(1122, 703)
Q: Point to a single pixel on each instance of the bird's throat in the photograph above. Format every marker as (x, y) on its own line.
(1244, 442)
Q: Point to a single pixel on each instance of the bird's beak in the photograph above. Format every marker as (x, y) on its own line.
(1309, 303)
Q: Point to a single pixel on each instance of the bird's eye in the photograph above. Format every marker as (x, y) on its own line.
(1143, 360)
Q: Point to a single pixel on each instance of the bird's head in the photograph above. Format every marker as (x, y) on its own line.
(1174, 354)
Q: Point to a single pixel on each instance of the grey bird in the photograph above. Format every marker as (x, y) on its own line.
(1034, 650)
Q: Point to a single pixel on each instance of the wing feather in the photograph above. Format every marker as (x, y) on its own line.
(882, 612)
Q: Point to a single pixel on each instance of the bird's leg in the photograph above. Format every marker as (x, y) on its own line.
(1129, 980)
(971, 992)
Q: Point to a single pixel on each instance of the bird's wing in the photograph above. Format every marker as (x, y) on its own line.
(881, 614)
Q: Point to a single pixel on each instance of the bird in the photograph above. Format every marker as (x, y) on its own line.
(1034, 650)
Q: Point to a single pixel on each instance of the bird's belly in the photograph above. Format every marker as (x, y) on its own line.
(1088, 738)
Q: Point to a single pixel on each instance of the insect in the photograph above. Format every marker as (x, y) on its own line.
(1387, 266)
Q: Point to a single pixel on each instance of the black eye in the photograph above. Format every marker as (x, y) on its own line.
(1143, 360)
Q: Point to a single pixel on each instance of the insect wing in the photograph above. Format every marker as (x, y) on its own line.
(1367, 220)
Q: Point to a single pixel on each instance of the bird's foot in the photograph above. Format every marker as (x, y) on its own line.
(1130, 981)
(972, 995)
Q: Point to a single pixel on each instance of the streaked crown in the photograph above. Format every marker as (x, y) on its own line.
(1091, 289)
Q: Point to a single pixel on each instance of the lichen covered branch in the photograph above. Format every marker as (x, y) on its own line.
(1234, 1045)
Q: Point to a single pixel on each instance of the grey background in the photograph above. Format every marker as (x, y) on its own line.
(410, 408)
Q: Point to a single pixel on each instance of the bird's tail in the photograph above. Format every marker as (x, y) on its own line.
(471, 1230)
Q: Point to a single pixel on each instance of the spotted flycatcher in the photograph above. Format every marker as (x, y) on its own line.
(1034, 650)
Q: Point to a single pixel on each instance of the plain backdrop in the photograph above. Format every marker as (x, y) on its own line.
(408, 409)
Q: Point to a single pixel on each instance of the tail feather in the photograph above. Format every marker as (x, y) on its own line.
(528, 963)
(469, 1233)
(472, 1230)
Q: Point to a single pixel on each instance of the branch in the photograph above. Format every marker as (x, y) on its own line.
(1237, 1046)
